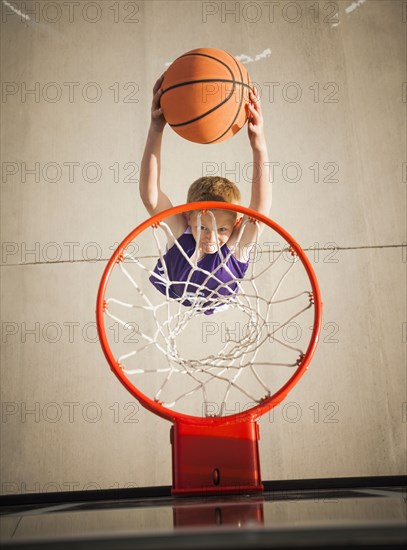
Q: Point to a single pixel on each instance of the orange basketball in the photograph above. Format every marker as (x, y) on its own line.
(205, 93)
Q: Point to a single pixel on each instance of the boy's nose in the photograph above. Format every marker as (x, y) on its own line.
(210, 236)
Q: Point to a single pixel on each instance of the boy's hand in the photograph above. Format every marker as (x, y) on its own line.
(255, 125)
(157, 118)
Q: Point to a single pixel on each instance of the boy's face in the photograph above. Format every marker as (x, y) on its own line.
(209, 239)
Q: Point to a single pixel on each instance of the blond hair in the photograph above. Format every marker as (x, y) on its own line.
(214, 188)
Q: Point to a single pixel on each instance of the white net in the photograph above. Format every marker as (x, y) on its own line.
(212, 343)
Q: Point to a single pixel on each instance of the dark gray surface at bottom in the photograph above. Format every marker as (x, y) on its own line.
(319, 515)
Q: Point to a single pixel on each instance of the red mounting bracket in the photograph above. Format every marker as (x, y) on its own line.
(215, 459)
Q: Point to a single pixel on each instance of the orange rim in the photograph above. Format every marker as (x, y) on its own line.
(269, 402)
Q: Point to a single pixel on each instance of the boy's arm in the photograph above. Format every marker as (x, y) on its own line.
(153, 198)
(261, 196)
(261, 192)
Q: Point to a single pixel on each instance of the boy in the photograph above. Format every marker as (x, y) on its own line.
(217, 231)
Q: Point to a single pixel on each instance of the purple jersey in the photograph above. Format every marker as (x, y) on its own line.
(220, 281)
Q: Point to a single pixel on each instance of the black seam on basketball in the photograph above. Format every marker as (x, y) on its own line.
(203, 80)
(238, 110)
(208, 80)
(215, 80)
(206, 113)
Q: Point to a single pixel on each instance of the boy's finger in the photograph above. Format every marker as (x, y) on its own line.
(253, 111)
(158, 83)
(156, 98)
(257, 106)
(255, 103)
(255, 94)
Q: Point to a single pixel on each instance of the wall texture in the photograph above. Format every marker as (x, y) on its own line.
(76, 95)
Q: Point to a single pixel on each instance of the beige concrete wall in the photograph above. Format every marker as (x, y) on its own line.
(66, 422)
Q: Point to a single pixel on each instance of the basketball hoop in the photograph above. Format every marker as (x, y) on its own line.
(215, 451)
